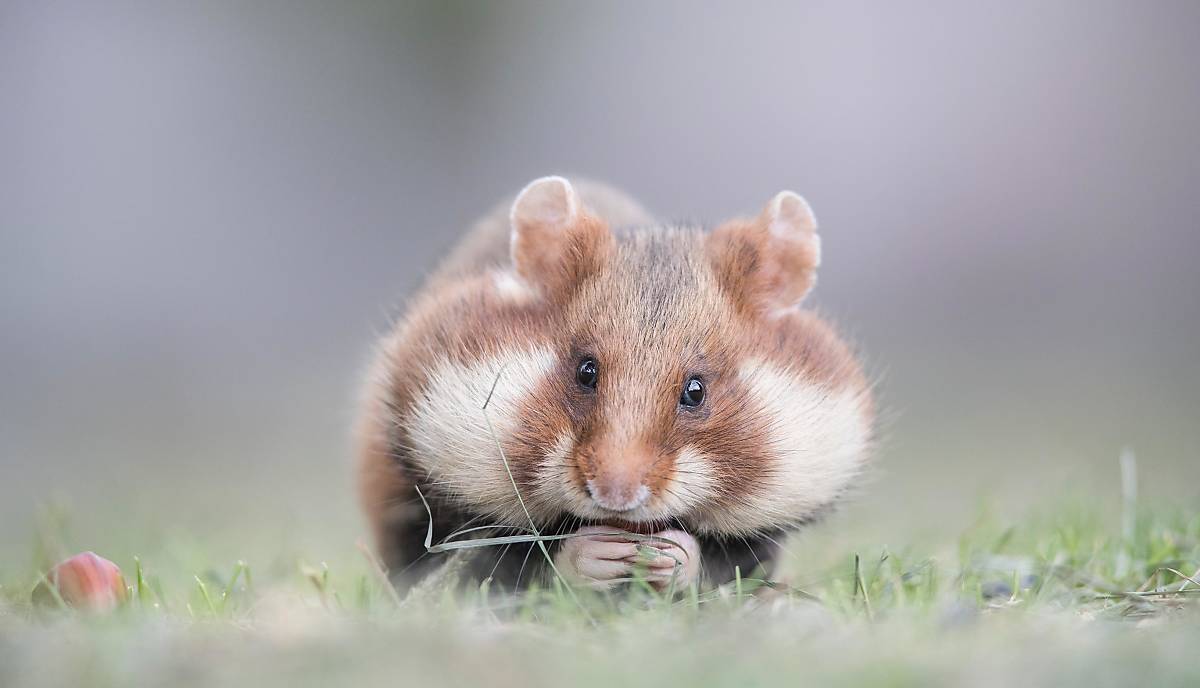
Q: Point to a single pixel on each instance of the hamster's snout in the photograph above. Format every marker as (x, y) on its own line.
(618, 495)
(618, 484)
(619, 477)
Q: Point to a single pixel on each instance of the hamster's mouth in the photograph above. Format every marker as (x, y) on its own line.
(639, 527)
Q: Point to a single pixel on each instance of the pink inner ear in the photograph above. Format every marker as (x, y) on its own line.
(769, 263)
(791, 268)
(789, 213)
(793, 249)
(550, 202)
(555, 242)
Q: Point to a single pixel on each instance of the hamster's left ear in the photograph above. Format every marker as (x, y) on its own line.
(769, 263)
(556, 242)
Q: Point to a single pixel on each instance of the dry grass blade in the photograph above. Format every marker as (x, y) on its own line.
(448, 545)
(380, 572)
(1151, 593)
(861, 587)
(1186, 579)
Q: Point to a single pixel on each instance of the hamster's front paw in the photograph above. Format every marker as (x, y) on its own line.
(600, 557)
(680, 561)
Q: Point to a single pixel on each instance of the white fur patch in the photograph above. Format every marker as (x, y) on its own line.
(449, 433)
(511, 287)
(559, 454)
(819, 440)
(554, 476)
(692, 483)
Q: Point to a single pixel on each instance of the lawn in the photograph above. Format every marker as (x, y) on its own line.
(1068, 595)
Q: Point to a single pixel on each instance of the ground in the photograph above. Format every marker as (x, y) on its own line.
(1069, 595)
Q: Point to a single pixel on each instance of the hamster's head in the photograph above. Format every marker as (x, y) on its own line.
(678, 381)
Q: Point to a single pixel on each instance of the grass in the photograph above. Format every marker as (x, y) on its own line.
(1069, 596)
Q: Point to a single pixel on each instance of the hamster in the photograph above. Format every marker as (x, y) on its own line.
(657, 379)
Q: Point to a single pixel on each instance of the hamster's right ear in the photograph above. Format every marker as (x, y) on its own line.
(556, 242)
(769, 263)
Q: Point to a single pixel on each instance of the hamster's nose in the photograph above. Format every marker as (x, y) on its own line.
(615, 494)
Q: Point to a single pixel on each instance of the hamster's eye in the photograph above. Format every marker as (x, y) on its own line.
(693, 393)
(587, 373)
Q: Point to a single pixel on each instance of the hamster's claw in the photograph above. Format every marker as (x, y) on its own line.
(679, 563)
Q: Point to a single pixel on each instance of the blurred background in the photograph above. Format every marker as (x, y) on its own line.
(209, 210)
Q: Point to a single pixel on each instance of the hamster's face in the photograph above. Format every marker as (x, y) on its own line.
(675, 382)
(644, 357)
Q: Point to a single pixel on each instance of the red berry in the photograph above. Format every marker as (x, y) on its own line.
(85, 581)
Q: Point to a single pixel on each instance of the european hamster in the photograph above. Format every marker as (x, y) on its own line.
(659, 379)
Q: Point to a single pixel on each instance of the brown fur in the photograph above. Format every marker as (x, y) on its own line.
(654, 306)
